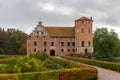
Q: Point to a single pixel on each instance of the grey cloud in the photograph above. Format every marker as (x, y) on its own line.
(26, 13)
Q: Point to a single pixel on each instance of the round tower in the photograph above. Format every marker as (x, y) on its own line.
(83, 35)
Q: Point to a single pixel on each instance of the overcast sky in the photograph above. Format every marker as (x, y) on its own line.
(25, 14)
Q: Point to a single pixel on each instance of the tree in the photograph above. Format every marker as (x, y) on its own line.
(106, 43)
(14, 42)
(22, 49)
(1, 51)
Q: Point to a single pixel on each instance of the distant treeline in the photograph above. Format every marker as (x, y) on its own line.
(12, 42)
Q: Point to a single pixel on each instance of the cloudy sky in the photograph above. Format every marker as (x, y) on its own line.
(24, 14)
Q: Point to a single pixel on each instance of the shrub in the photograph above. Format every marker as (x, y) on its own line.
(3, 61)
(66, 63)
(21, 65)
(66, 74)
(8, 77)
(104, 64)
(40, 55)
(2, 68)
(49, 64)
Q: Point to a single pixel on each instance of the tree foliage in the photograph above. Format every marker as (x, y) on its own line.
(1, 51)
(40, 55)
(13, 42)
(106, 43)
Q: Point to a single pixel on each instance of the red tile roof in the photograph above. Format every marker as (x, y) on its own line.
(84, 18)
(61, 31)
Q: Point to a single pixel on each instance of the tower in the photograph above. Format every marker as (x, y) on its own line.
(83, 35)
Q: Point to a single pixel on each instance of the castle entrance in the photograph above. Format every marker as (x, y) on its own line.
(52, 52)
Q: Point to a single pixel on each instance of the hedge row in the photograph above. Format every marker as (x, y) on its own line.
(103, 64)
(3, 61)
(66, 63)
(66, 74)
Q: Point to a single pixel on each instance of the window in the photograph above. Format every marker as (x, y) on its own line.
(41, 32)
(44, 50)
(45, 44)
(82, 43)
(35, 50)
(68, 44)
(68, 50)
(52, 43)
(86, 50)
(62, 43)
(82, 30)
(73, 43)
(89, 44)
(88, 30)
(73, 50)
(82, 22)
(35, 43)
(62, 50)
(37, 32)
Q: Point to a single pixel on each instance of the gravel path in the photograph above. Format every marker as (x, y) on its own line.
(105, 74)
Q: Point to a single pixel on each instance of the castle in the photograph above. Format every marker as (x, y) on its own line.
(56, 41)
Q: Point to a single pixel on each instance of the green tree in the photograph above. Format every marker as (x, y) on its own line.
(106, 43)
(14, 42)
(22, 49)
(1, 51)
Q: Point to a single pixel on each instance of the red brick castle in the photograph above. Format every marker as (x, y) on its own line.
(62, 40)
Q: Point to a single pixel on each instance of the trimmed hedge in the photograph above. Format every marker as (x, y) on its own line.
(40, 55)
(66, 74)
(21, 65)
(103, 64)
(3, 61)
(67, 63)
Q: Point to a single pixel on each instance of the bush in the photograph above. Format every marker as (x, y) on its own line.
(66, 74)
(40, 55)
(21, 65)
(51, 65)
(104, 64)
(8, 77)
(2, 68)
(3, 61)
(67, 63)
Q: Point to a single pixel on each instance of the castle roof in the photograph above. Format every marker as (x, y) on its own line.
(84, 18)
(60, 31)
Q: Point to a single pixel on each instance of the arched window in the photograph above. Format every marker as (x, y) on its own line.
(35, 43)
(82, 43)
(45, 43)
(89, 44)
